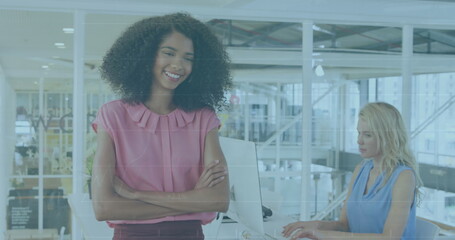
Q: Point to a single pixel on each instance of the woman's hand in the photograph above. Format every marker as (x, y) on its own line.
(292, 227)
(307, 233)
(123, 189)
(213, 174)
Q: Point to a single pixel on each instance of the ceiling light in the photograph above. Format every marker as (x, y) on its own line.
(68, 30)
(319, 71)
(45, 67)
(319, 29)
(59, 45)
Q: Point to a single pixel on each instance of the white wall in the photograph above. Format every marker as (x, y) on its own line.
(7, 142)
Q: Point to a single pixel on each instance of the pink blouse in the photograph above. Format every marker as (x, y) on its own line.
(158, 152)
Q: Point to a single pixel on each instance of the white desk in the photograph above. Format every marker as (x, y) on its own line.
(92, 229)
(273, 227)
(445, 238)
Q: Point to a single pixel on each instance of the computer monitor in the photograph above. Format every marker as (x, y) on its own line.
(245, 198)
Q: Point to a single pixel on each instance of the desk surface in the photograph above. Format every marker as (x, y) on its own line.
(272, 226)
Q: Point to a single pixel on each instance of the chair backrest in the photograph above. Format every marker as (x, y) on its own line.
(62, 233)
(426, 230)
(211, 230)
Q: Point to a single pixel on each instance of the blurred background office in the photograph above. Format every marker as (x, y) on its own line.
(302, 70)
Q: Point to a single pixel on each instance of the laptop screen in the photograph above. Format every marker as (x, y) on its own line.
(245, 204)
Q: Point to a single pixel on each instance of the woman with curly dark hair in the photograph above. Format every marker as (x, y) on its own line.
(159, 172)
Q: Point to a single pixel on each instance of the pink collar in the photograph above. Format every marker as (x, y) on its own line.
(148, 120)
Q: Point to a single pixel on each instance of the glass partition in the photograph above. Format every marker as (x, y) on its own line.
(41, 172)
(357, 38)
(434, 41)
(101, 30)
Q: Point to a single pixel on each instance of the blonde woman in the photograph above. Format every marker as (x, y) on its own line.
(381, 200)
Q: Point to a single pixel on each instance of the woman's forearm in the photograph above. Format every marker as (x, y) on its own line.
(152, 205)
(333, 225)
(118, 208)
(214, 199)
(335, 235)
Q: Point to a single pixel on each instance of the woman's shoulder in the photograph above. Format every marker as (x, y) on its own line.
(114, 106)
(114, 110)
(404, 179)
(403, 175)
(404, 171)
(206, 118)
(204, 112)
(207, 110)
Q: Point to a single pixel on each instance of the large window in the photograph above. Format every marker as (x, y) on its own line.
(351, 65)
(433, 105)
(434, 136)
(42, 161)
(41, 172)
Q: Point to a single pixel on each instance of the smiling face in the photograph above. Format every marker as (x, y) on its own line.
(173, 63)
(368, 142)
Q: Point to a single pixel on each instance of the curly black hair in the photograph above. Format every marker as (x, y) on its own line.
(127, 64)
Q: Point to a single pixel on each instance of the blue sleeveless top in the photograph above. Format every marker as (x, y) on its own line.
(368, 212)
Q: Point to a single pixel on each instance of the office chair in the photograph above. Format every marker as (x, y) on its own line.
(426, 230)
(211, 230)
(62, 233)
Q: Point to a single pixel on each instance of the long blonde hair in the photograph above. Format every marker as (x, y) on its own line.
(388, 127)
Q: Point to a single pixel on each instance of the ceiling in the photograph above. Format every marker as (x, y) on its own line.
(356, 39)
